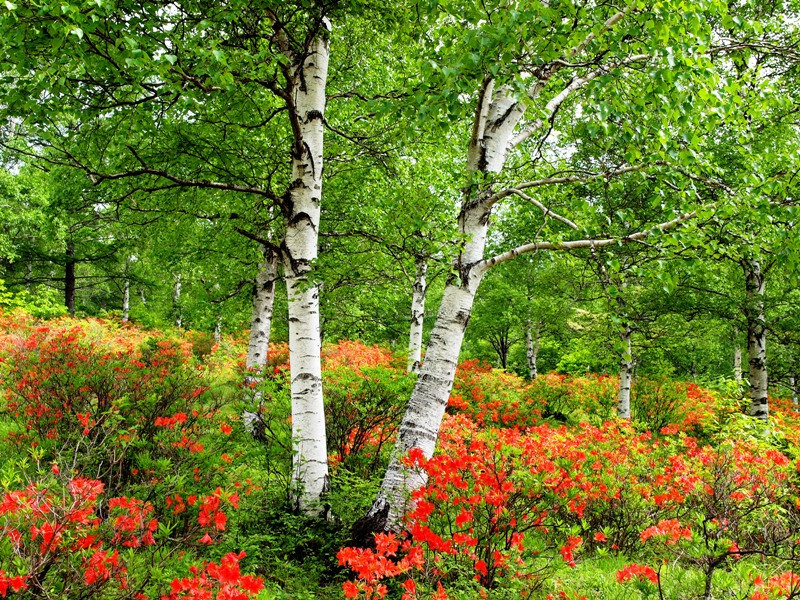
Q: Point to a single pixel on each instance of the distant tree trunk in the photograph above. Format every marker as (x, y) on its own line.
(176, 302)
(532, 343)
(142, 296)
(218, 329)
(625, 374)
(310, 459)
(261, 320)
(69, 279)
(793, 385)
(126, 300)
(737, 364)
(500, 339)
(756, 338)
(418, 292)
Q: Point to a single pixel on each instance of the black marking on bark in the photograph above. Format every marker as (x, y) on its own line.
(362, 534)
(314, 115)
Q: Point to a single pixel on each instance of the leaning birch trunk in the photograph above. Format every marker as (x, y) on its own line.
(126, 300)
(756, 339)
(310, 458)
(532, 343)
(496, 116)
(176, 302)
(625, 373)
(417, 317)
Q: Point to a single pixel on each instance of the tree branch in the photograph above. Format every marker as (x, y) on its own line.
(546, 210)
(576, 244)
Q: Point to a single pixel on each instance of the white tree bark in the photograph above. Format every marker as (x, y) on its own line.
(218, 329)
(532, 343)
(495, 118)
(425, 410)
(126, 300)
(176, 301)
(793, 385)
(418, 292)
(263, 302)
(310, 459)
(625, 375)
(756, 338)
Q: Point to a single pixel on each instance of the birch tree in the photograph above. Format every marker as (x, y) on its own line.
(175, 99)
(529, 65)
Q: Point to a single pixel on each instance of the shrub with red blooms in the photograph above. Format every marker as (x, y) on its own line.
(135, 411)
(634, 571)
(60, 542)
(491, 397)
(505, 505)
(223, 581)
(363, 409)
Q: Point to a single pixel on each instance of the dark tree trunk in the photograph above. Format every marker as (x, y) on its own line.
(756, 338)
(69, 280)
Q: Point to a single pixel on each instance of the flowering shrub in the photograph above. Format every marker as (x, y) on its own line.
(135, 411)
(506, 506)
(363, 409)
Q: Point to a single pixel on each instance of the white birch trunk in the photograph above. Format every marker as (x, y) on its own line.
(263, 302)
(496, 116)
(142, 296)
(126, 300)
(176, 301)
(425, 409)
(756, 339)
(793, 384)
(532, 342)
(218, 329)
(310, 459)
(737, 364)
(625, 373)
(417, 317)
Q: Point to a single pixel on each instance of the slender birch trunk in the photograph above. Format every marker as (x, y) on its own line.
(260, 331)
(263, 301)
(218, 329)
(756, 338)
(793, 384)
(69, 280)
(532, 343)
(142, 296)
(418, 291)
(625, 374)
(176, 301)
(126, 300)
(425, 410)
(310, 459)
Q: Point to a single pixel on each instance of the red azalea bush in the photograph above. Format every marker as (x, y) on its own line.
(119, 455)
(504, 506)
(491, 397)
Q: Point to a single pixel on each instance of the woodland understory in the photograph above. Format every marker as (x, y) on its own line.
(436, 299)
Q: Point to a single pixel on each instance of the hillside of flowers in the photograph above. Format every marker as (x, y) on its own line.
(128, 471)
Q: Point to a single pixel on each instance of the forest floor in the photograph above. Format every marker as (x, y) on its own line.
(127, 473)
